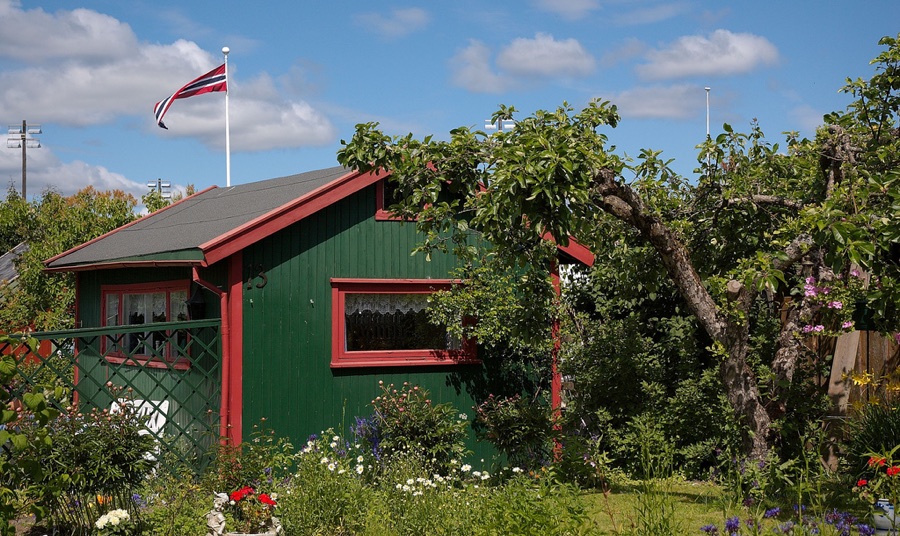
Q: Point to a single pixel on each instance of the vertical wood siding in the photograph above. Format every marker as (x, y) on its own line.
(287, 324)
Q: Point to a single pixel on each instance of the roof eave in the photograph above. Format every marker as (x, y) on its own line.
(297, 209)
(64, 254)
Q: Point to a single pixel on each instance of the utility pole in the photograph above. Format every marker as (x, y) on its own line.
(160, 186)
(22, 140)
(707, 88)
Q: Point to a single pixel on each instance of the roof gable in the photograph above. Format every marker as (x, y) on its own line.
(213, 224)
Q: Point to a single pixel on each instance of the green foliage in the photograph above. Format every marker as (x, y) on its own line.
(406, 419)
(519, 428)
(258, 461)
(81, 462)
(32, 408)
(49, 226)
(327, 493)
(172, 500)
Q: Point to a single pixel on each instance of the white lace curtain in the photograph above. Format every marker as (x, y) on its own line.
(384, 303)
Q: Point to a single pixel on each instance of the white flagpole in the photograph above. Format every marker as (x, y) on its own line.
(226, 50)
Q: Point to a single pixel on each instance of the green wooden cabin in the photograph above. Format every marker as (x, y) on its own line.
(318, 296)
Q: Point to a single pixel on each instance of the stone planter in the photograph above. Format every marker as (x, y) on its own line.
(884, 515)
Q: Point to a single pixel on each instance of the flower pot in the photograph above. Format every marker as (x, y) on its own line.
(884, 515)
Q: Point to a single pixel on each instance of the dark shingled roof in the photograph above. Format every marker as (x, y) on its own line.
(178, 231)
(8, 272)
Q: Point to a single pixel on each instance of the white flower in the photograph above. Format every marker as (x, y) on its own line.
(359, 459)
(359, 469)
(466, 468)
(324, 460)
(410, 481)
(336, 438)
(334, 444)
(101, 523)
(399, 486)
(342, 471)
(331, 466)
(476, 473)
(516, 469)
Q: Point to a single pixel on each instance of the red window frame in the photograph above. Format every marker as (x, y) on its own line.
(381, 212)
(342, 358)
(141, 288)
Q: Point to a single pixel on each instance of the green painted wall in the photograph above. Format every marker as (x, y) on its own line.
(287, 323)
(192, 394)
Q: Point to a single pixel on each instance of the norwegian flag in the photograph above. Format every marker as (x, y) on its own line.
(211, 81)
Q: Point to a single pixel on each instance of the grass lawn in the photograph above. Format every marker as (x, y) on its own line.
(696, 504)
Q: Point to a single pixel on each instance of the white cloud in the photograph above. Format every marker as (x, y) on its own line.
(472, 70)
(85, 68)
(35, 35)
(568, 9)
(680, 101)
(722, 53)
(523, 60)
(544, 56)
(45, 170)
(399, 23)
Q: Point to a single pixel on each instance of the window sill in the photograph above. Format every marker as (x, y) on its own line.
(149, 362)
(392, 359)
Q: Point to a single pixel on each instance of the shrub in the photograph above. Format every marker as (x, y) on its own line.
(406, 418)
(260, 461)
(519, 428)
(94, 461)
(327, 492)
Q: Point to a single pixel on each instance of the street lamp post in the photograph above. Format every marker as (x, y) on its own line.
(22, 140)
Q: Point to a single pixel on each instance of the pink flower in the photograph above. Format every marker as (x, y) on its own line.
(854, 272)
(847, 325)
(897, 337)
(835, 305)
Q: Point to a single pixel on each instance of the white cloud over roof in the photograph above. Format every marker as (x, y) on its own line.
(522, 61)
(678, 101)
(721, 53)
(545, 56)
(81, 68)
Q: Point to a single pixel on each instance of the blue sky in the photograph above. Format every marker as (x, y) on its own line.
(302, 74)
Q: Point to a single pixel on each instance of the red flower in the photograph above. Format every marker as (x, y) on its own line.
(892, 471)
(861, 483)
(265, 499)
(876, 460)
(241, 493)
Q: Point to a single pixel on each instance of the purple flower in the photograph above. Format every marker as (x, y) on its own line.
(854, 272)
(865, 530)
(732, 524)
(772, 512)
(710, 529)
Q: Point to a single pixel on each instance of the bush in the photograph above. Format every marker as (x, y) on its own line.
(519, 428)
(327, 493)
(405, 419)
(93, 462)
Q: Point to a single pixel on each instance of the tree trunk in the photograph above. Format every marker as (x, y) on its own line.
(737, 378)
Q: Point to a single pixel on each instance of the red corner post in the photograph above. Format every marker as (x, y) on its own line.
(555, 378)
